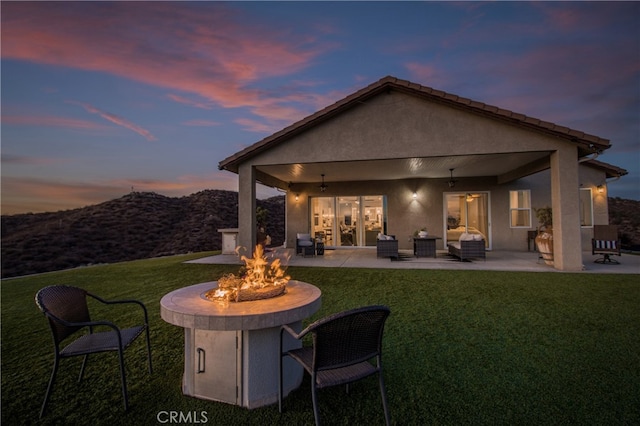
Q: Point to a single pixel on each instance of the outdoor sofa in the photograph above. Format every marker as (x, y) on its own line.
(469, 246)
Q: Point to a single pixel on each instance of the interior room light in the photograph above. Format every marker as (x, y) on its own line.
(415, 195)
(469, 198)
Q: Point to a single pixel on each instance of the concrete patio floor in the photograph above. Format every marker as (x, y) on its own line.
(365, 257)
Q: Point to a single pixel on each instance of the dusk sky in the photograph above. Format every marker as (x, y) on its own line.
(102, 98)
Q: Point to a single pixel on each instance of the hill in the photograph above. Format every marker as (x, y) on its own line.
(137, 226)
(626, 214)
(142, 225)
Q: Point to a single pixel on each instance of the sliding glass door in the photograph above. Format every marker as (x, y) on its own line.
(467, 212)
(348, 221)
(323, 219)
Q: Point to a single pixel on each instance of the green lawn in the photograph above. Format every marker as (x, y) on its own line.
(460, 347)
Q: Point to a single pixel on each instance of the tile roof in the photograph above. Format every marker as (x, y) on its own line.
(609, 169)
(589, 143)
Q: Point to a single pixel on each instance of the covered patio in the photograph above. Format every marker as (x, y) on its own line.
(497, 260)
(396, 157)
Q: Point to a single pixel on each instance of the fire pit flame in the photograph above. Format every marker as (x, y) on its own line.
(261, 280)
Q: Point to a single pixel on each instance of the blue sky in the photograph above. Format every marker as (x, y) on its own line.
(102, 98)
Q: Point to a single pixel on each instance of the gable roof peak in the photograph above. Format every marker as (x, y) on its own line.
(589, 143)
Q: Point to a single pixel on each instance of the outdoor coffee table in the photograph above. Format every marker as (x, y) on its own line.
(425, 246)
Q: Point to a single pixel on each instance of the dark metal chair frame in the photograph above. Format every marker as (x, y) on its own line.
(344, 344)
(606, 242)
(67, 311)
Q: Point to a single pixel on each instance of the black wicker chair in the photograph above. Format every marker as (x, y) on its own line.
(387, 248)
(67, 310)
(305, 245)
(344, 344)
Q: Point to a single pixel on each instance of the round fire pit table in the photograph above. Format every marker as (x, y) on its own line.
(231, 349)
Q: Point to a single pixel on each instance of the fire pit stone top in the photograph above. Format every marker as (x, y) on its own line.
(187, 307)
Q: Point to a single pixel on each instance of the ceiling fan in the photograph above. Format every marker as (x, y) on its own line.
(451, 182)
(323, 186)
(470, 197)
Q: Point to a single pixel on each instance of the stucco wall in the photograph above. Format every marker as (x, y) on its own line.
(395, 125)
(405, 214)
(401, 126)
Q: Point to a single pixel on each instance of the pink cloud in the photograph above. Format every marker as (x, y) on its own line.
(572, 16)
(183, 100)
(201, 123)
(9, 159)
(255, 126)
(26, 194)
(546, 81)
(429, 74)
(283, 107)
(117, 120)
(216, 56)
(48, 121)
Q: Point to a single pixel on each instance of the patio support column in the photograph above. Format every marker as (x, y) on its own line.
(247, 207)
(565, 200)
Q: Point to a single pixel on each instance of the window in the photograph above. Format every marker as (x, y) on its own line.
(349, 221)
(586, 207)
(468, 212)
(520, 208)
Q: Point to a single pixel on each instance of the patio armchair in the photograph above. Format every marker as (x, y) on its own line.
(347, 347)
(469, 246)
(605, 242)
(387, 246)
(67, 312)
(305, 245)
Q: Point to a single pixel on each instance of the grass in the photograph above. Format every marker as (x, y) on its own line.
(463, 347)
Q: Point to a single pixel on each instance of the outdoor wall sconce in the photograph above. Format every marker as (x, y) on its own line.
(415, 195)
(600, 189)
(297, 197)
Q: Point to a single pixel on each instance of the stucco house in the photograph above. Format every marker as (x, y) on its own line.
(395, 157)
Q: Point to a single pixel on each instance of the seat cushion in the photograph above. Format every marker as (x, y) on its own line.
(333, 376)
(101, 342)
(605, 245)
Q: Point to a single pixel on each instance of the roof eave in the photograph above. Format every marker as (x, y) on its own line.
(610, 170)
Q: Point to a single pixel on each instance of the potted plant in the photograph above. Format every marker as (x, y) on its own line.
(420, 233)
(261, 221)
(544, 239)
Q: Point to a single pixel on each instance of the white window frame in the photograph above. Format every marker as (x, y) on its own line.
(590, 209)
(518, 208)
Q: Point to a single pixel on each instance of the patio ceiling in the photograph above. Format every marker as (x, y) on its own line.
(404, 168)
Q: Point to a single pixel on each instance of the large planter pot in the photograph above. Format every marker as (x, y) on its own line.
(544, 242)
